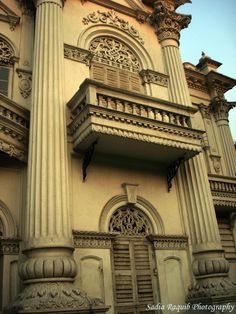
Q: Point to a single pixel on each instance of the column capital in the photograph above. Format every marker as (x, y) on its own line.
(57, 2)
(221, 107)
(166, 21)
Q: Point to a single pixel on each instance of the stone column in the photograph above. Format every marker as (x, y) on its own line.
(220, 108)
(49, 269)
(209, 265)
(168, 25)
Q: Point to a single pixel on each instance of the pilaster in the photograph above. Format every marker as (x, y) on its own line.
(220, 108)
(49, 268)
(168, 24)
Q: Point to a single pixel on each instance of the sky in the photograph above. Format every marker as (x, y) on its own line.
(212, 30)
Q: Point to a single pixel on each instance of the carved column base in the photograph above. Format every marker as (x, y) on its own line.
(53, 298)
(212, 290)
(212, 281)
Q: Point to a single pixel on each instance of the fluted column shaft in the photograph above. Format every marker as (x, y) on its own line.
(48, 238)
(47, 207)
(178, 88)
(209, 266)
(227, 146)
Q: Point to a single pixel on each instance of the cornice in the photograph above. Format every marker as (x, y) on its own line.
(92, 239)
(77, 54)
(138, 14)
(150, 76)
(196, 80)
(169, 242)
(10, 16)
(219, 82)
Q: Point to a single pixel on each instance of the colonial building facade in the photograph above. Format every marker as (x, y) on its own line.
(117, 165)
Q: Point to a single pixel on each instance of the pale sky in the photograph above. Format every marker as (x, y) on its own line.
(212, 30)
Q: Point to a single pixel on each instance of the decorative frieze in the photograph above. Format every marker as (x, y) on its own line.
(25, 82)
(78, 54)
(150, 76)
(89, 239)
(169, 242)
(112, 19)
(9, 246)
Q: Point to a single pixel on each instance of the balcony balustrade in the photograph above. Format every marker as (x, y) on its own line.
(129, 124)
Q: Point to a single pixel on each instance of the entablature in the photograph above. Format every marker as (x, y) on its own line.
(130, 124)
(206, 82)
(14, 128)
(223, 191)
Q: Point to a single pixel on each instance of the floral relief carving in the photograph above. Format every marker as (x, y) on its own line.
(153, 77)
(166, 21)
(129, 221)
(114, 52)
(6, 52)
(77, 54)
(111, 18)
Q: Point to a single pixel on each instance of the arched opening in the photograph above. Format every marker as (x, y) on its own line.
(115, 64)
(7, 57)
(133, 261)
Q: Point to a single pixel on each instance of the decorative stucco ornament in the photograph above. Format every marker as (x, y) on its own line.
(111, 18)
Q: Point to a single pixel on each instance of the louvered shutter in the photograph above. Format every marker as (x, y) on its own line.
(135, 84)
(112, 77)
(133, 276)
(99, 72)
(123, 276)
(116, 77)
(227, 238)
(143, 272)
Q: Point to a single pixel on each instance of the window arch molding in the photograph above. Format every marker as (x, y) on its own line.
(8, 221)
(9, 43)
(94, 31)
(142, 204)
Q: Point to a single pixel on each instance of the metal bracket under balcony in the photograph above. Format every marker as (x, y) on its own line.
(130, 124)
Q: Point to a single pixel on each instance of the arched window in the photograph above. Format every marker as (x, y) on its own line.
(115, 64)
(129, 221)
(6, 61)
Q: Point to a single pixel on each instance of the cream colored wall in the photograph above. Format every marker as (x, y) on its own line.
(74, 12)
(21, 39)
(95, 274)
(104, 181)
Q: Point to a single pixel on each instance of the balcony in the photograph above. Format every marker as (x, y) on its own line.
(129, 124)
(223, 190)
(14, 129)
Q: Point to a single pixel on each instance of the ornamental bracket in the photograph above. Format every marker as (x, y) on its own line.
(87, 158)
(172, 170)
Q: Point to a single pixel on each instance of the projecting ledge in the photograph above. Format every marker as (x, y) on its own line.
(130, 124)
